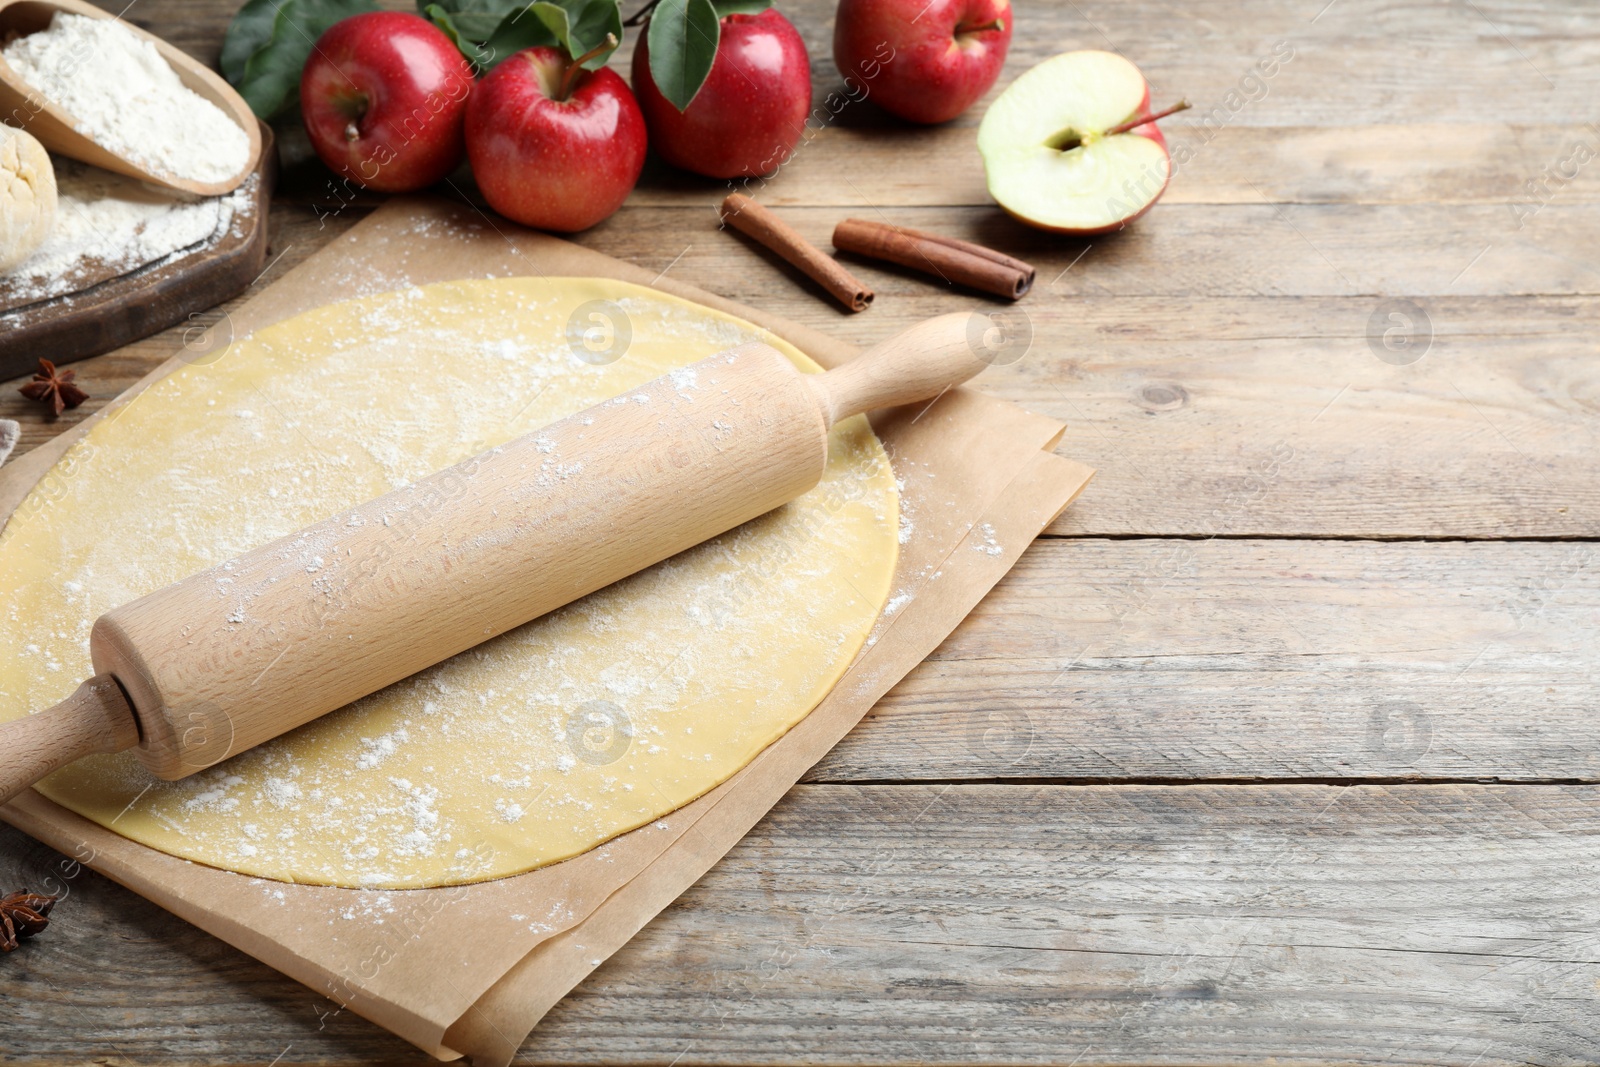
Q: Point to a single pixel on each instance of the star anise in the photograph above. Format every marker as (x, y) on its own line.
(55, 387)
(22, 915)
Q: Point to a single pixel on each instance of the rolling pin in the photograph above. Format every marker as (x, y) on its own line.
(225, 659)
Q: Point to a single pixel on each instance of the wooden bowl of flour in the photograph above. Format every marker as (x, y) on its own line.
(24, 106)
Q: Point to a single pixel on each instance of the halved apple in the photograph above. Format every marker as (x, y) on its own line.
(1049, 158)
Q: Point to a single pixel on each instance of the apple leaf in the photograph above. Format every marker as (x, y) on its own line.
(485, 48)
(518, 30)
(683, 45)
(267, 45)
(555, 19)
(487, 31)
(581, 26)
(591, 21)
(740, 7)
(474, 53)
(471, 20)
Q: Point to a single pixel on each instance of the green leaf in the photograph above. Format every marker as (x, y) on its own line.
(487, 31)
(595, 19)
(580, 26)
(267, 45)
(475, 26)
(740, 7)
(556, 20)
(474, 20)
(518, 30)
(683, 46)
(446, 21)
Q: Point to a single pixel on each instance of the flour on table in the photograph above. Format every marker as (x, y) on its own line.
(121, 94)
(108, 224)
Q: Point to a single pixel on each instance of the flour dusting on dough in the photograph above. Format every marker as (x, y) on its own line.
(541, 743)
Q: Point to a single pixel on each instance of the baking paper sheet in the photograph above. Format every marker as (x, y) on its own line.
(448, 969)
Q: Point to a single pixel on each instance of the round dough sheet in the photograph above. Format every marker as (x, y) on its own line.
(529, 749)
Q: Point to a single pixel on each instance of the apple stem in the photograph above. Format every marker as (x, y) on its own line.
(992, 24)
(574, 68)
(1181, 105)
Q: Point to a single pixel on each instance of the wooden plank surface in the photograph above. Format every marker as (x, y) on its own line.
(1178, 400)
(1164, 660)
(979, 925)
(1190, 924)
(1233, 163)
(1304, 250)
(1201, 781)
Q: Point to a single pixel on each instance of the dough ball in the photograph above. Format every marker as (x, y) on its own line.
(27, 196)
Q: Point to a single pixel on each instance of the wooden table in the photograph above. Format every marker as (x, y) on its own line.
(1280, 746)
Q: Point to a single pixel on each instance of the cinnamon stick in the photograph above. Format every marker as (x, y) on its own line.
(756, 222)
(956, 261)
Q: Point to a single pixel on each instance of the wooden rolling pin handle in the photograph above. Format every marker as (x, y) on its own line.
(919, 364)
(95, 718)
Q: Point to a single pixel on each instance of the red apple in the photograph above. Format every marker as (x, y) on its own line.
(1071, 146)
(553, 145)
(924, 60)
(383, 96)
(751, 111)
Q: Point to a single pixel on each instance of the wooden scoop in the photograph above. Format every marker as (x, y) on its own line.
(24, 106)
(228, 658)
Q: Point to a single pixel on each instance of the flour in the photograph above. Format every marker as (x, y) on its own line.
(527, 749)
(122, 95)
(107, 225)
(10, 431)
(989, 545)
(380, 748)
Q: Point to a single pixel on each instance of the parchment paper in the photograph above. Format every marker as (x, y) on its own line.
(449, 969)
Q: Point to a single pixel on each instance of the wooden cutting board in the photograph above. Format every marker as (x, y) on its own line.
(112, 307)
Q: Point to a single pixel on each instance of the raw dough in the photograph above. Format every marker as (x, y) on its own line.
(27, 196)
(532, 748)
